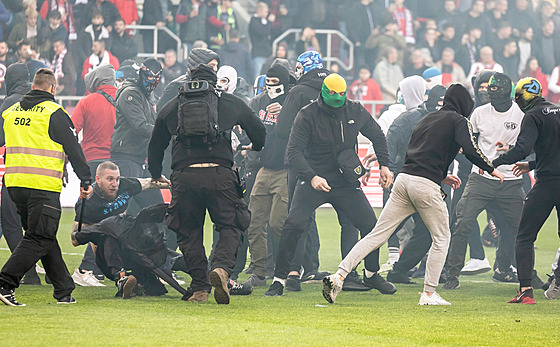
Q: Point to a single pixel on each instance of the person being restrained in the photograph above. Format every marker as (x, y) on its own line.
(111, 195)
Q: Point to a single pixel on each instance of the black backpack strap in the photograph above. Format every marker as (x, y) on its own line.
(109, 98)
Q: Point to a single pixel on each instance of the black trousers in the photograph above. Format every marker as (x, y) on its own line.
(11, 224)
(194, 191)
(539, 203)
(351, 201)
(40, 214)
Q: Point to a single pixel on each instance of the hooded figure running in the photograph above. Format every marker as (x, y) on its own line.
(433, 146)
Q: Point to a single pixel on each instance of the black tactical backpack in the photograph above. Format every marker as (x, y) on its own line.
(198, 113)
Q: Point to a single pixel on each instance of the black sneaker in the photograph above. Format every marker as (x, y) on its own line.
(293, 284)
(276, 289)
(452, 283)
(379, 283)
(506, 276)
(68, 299)
(239, 288)
(536, 282)
(353, 283)
(314, 276)
(249, 270)
(398, 277)
(8, 297)
(125, 287)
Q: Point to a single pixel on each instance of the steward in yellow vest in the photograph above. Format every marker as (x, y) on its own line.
(38, 135)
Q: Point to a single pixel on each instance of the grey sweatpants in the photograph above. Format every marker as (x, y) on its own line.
(410, 194)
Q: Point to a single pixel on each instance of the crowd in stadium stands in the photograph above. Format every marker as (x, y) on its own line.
(392, 39)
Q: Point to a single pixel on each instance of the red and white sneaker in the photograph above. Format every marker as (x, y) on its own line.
(523, 297)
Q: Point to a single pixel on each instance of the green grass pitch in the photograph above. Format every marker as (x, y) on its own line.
(479, 315)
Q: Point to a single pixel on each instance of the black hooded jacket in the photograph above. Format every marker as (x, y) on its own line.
(196, 57)
(61, 130)
(320, 130)
(305, 91)
(439, 136)
(17, 84)
(231, 111)
(134, 123)
(400, 131)
(540, 130)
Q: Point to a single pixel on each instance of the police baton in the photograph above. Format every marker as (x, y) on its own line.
(85, 186)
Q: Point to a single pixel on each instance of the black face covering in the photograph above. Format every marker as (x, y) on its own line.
(481, 97)
(500, 92)
(434, 97)
(204, 72)
(277, 92)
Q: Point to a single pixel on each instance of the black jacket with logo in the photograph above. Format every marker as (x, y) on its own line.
(320, 132)
(540, 130)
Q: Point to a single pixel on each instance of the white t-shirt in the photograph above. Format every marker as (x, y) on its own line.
(494, 126)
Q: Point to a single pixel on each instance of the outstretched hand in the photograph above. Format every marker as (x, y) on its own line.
(161, 182)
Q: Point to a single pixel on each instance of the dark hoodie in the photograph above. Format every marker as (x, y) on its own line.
(196, 57)
(61, 130)
(439, 135)
(17, 84)
(305, 91)
(400, 131)
(272, 155)
(231, 111)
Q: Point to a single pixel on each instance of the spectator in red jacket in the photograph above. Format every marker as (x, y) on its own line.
(127, 9)
(100, 56)
(95, 115)
(365, 88)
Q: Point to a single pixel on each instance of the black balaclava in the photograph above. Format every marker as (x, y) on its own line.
(203, 72)
(277, 92)
(434, 97)
(481, 97)
(500, 90)
(150, 68)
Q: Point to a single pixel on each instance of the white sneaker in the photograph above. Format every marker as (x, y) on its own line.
(476, 266)
(332, 285)
(433, 299)
(86, 279)
(39, 269)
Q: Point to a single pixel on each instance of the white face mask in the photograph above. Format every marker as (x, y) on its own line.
(274, 91)
(299, 71)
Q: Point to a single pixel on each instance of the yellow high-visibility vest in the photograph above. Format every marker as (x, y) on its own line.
(33, 159)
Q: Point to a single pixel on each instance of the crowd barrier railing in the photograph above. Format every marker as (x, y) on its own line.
(328, 54)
